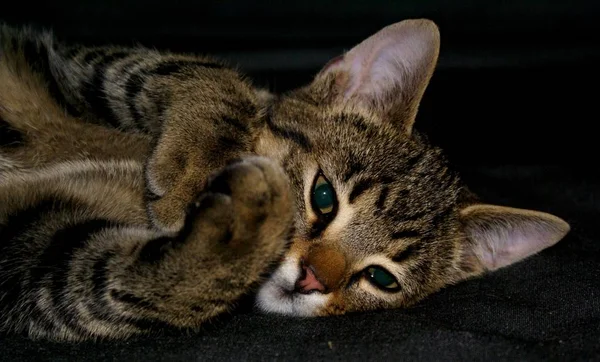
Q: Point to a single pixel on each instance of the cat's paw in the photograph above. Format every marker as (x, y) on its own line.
(176, 172)
(249, 207)
(236, 230)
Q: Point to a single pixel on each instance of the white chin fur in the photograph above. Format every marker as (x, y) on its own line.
(277, 296)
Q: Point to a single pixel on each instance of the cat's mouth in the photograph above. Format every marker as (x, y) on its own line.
(292, 289)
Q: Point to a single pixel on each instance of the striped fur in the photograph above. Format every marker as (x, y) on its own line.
(144, 190)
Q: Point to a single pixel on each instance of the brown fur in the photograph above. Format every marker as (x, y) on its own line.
(143, 189)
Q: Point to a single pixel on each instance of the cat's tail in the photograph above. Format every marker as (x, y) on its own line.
(25, 46)
(26, 82)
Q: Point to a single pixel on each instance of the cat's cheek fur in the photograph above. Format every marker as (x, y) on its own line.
(277, 294)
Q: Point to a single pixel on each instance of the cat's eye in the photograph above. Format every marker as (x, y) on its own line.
(382, 278)
(324, 200)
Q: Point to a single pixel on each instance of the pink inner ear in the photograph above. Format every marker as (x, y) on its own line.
(398, 57)
(499, 248)
(506, 237)
(375, 70)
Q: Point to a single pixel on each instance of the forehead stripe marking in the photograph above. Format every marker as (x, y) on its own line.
(292, 135)
(354, 166)
(406, 234)
(359, 188)
(380, 205)
(405, 253)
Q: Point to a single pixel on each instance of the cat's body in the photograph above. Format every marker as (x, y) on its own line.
(142, 190)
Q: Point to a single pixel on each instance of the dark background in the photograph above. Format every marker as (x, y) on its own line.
(517, 76)
(513, 102)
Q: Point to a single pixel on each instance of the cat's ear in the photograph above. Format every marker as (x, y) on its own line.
(388, 72)
(500, 236)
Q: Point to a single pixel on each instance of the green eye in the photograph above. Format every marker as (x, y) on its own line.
(323, 196)
(381, 278)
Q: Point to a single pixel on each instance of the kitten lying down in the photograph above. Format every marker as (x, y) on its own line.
(142, 189)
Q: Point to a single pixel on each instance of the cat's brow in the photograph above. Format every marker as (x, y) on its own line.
(380, 204)
(356, 121)
(354, 166)
(293, 135)
(359, 188)
(405, 234)
(405, 253)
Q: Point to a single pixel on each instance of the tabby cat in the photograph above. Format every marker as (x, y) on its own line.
(143, 189)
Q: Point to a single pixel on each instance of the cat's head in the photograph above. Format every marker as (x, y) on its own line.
(381, 220)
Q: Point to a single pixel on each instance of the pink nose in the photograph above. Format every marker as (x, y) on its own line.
(308, 281)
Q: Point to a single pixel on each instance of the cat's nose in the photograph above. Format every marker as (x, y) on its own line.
(308, 281)
(323, 269)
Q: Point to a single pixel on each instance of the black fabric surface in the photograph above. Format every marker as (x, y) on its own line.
(514, 105)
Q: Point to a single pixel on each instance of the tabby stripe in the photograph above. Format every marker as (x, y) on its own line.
(95, 94)
(23, 221)
(380, 204)
(416, 216)
(353, 167)
(174, 66)
(100, 307)
(408, 252)
(440, 217)
(12, 232)
(139, 322)
(125, 69)
(295, 136)
(134, 301)
(15, 287)
(413, 160)
(401, 197)
(36, 55)
(356, 121)
(359, 188)
(227, 143)
(100, 277)
(40, 317)
(93, 54)
(136, 81)
(405, 234)
(9, 136)
(235, 123)
(360, 124)
(102, 311)
(133, 87)
(57, 259)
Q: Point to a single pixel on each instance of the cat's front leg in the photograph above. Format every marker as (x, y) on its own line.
(81, 276)
(235, 231)
(207, 123)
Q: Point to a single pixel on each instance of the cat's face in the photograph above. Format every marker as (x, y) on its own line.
(381, 220)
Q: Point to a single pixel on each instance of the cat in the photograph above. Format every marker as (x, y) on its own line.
(144, 190)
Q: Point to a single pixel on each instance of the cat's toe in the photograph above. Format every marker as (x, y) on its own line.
(262, 206)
